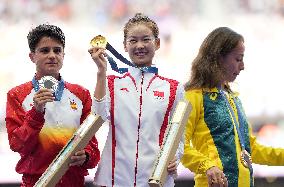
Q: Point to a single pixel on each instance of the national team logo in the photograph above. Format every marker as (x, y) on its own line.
(159, 95)
(73, 104)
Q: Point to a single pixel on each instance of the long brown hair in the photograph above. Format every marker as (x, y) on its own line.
(206, 70)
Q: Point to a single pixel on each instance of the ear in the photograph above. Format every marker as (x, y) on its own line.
(157, 43)
(32, 56)
(125, 48)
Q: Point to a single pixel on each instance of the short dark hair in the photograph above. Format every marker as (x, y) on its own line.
(43, 30)
(138, 19)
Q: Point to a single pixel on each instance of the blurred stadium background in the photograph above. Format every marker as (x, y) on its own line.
(183, 26)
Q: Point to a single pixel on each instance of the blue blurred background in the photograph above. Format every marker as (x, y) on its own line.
(183, 26)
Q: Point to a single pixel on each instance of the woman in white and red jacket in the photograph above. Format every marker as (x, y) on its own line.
(138, 105)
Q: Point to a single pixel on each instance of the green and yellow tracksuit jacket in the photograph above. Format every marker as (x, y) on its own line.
(211, 139)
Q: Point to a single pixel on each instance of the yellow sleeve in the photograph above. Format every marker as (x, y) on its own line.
(192, 158)
(265, 155)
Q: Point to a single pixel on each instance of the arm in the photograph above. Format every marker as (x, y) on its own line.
(262, 154)
(192, 158)
(101, 97)
(91, 150)
(23, 127)
(179, 97)
(98, 55)
(172, 167)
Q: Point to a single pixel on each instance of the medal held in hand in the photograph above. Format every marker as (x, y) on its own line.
(48, 82)
(246, 159)
(100, 41)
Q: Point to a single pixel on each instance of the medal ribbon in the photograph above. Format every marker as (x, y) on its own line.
(113, 64)
(238, 124)
(57, 94)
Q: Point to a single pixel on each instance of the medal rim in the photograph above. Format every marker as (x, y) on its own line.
(42, 80)
(99, 41)
(243, 161)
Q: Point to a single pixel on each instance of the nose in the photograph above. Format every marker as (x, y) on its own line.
(51, 54)
(140, 44)
(242, 66)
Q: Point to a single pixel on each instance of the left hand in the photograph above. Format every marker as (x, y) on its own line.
(78, 158)
(172, 167)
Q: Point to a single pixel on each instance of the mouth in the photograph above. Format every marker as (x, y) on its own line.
(140, 53)
(51, 63)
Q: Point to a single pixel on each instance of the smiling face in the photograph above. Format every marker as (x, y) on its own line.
(233, 63)
(48, 57)
(141, 44)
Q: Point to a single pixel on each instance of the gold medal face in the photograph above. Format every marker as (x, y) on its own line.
(99, 41)
(48, 82)
(246, 159)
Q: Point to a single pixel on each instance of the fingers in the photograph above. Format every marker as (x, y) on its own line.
(78, 158)
(41, 98)
(216, 177)
(172, 167)
(98, 55)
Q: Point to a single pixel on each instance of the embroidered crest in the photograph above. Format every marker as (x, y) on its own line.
(73, 104)
(213, 96)
(159, 95)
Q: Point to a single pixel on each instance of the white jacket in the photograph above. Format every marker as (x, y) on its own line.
(138, 106)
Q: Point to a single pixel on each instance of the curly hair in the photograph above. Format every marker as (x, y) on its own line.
(206, 70)
(43, 30)
(138, 19)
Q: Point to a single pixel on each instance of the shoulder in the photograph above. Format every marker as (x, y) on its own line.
(77, 89)
(169, 79)
(194, 95)
(22, 89)
(20, 92)
(194, 92)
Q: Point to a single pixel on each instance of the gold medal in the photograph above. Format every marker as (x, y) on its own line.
(246, 159)
(99, 41)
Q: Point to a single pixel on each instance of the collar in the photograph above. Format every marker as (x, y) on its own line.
(57, 94)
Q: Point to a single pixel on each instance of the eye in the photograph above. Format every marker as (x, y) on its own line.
(147, 40)
(239, 59)
(57, 50)
(44, 50)
(132, 41)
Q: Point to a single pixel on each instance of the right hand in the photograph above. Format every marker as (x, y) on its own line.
(216, 177)
(41, 97)
(98, 55)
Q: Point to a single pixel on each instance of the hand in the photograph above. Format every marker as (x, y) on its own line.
(98, 55)
(172, 167)
(41, 97)
(216, 177)
(78, 158)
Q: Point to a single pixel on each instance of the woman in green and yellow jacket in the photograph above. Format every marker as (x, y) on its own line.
(219, 145)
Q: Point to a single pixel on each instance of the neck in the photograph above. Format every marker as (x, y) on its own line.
(39, 76)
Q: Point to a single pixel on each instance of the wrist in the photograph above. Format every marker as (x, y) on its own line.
(87, 158)
(101, 72)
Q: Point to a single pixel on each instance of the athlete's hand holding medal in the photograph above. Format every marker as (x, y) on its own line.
(47, 88)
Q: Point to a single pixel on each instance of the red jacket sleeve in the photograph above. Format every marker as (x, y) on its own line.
(23, 127)
(92, 147)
